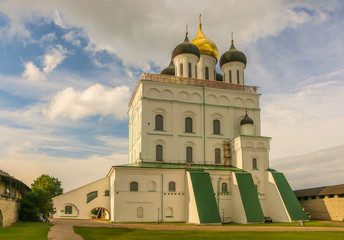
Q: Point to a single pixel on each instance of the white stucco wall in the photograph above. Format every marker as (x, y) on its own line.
(78, 199)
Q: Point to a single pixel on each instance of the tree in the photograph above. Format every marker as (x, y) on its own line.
(36, 204)
(49, 184)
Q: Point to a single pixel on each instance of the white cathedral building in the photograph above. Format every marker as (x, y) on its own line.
(196, 153)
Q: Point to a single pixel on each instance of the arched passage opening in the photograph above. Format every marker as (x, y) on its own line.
(1, 219)
(100, 213)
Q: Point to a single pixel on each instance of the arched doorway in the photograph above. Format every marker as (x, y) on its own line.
(100, 213)
(1, 219)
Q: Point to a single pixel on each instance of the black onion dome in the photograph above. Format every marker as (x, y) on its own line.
(233, 55)
(219, 77)
(186, 47)
(170, 70)
(246, 120)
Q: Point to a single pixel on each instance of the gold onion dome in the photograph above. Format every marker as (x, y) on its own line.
(205, 45)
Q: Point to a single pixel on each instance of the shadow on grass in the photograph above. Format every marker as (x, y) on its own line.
(124, 233)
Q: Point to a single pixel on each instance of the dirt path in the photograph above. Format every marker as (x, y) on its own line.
(63, 229)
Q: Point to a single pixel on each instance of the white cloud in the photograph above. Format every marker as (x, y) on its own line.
(53, 58)
(96, 100)
(32, 73)
(73, 37)
(140, 31)
(321, 168)
(305, 118)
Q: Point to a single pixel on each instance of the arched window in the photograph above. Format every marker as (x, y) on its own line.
(158, 153)
(207, 73)
(151, 186)
(140, 212)
(189, 70)
(134, 187)
(224, 187)
(181, 69)
(169, 212)
(195, 71)
(230, 76)
(188, 124)
(91, 196)
(217, 155)
(216, 126)
(254, 163)
(238, 76)
(159, 122)
(172, 186)
(188, 154)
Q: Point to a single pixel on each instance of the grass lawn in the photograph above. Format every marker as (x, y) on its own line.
(26, 231)
(292, 224)
(123, 233)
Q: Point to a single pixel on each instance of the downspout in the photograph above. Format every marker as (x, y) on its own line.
(162, 198)
(114, 201)
(204, 125)
(218, 193)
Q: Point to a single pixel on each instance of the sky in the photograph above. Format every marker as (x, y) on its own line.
(68, 69)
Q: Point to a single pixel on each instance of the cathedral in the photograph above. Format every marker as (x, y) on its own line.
(196, 153)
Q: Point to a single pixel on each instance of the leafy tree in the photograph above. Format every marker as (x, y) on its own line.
(49, 184)
(36, 204)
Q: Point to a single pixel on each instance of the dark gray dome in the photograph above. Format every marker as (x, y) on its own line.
(246, 120)
(186, 47)
(219, 77)
(170, 70)
(233, 55)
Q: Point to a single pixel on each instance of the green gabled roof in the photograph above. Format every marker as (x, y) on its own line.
(181, 166)
(208, 211)
(249, 197)
(290, 201)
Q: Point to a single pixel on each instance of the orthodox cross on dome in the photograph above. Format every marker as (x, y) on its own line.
(200, 21)
(186, 31)
(232, 40)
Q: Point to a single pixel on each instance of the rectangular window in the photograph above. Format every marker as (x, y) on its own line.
(181, 69)
(107, 193)
(340, 195)
(238, 76)
(91, 196)
(188, 124)
(188, 154)
(313, 197)
(68, 209)
(331, 196)
(230, 76)
(195, 71)
(321, 196)
(254, 163)
(207, 73)
(189, 69)
(158, 153)
(217, 155)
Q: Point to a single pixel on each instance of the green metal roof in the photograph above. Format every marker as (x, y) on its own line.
(290, 201)
(249, 197)
(181, 166)
(208, 211)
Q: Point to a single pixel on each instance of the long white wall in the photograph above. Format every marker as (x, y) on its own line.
(77, 198)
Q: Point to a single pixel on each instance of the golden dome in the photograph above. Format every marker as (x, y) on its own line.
(205, 45)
